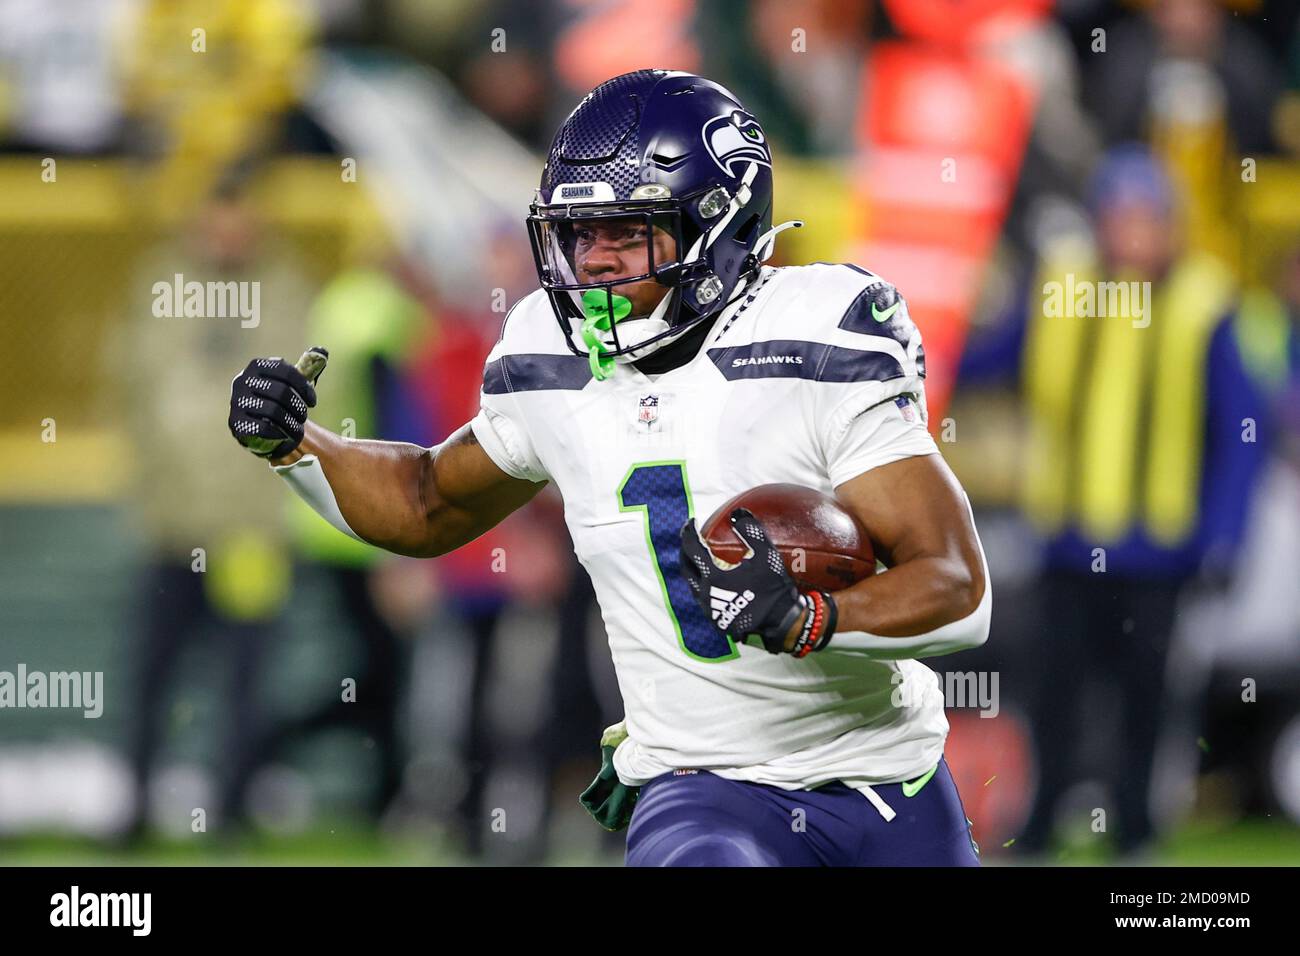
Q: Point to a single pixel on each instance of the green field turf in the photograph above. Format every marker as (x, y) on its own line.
(1261, 842)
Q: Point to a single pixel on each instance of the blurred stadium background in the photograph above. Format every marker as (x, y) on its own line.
(369, 163)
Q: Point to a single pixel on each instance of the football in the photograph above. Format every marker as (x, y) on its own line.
(823, 545)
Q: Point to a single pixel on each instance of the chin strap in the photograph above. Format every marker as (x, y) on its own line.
(768, 239)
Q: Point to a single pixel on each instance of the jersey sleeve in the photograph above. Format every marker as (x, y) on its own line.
(501, 426)
(506, 443)
(874, 411)
(885, 433)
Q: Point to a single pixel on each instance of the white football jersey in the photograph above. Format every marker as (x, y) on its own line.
(815, 376)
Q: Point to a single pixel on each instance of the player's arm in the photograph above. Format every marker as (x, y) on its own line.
(933, 599)
(410, 500)
(416, 501)
(921, 528)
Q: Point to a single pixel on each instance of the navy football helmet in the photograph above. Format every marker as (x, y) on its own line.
(681, 154)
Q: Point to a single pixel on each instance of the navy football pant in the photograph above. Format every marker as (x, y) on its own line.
(701, 819)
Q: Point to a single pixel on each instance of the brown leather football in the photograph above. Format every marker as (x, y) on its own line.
(824, 546)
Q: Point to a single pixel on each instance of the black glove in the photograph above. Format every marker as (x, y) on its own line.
(757, 596)
(268, 407)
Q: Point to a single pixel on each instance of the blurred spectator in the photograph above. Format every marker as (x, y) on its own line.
(60, 73)
(1063, 144)
(805, 99)
(1274, 347)
(217, 565)
(527, 562)
(517, 561)
(1252, 622)
(210, 81)
(370, 318)
(1185, 62)
(497, 53)
(511, 87)
(1287, 396)
(1268, 323)
(1137, 475)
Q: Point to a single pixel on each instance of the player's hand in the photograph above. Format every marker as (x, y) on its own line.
(757, 596)
(268, 407)
(608, 799)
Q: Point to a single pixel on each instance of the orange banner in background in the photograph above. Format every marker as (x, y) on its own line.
(585, 56)
(941, 135)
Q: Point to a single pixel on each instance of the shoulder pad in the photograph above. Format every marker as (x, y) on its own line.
(530, 326)
(531, 355)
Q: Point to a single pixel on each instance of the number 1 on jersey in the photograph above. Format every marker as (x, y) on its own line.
(660, 491)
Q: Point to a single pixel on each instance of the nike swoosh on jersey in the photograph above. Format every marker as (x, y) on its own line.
(911, 789)
(884, 316)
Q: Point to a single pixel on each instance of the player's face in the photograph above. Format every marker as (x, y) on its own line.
(605, 249)
(1139, 237)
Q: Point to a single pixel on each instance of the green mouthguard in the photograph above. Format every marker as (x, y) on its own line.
(595, 302)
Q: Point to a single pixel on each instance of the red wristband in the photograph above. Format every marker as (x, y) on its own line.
(818, 626)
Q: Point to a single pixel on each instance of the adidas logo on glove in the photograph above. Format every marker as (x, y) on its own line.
(727, 604)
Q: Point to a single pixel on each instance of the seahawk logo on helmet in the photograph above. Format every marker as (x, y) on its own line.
(736, 138)
(679, 161)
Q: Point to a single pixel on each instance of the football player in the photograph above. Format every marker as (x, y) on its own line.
(660, 369)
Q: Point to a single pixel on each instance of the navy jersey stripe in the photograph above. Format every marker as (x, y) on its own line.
(535, 373)
(792, 358)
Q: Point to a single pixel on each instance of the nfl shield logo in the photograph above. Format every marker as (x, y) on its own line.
(905, 405)
(648, 409)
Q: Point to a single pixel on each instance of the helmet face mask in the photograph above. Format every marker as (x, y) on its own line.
(562, 239)
(674, 156)
(561, 235)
